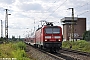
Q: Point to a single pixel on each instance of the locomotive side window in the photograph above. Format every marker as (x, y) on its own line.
(52, 30)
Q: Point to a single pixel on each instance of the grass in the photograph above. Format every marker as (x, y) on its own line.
(80, 45)
(13, 50)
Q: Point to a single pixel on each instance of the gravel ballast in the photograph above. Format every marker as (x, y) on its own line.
(35, 54)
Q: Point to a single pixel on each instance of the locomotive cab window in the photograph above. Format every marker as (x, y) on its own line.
(52, 30)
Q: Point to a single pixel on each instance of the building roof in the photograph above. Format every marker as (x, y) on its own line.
(68, 19)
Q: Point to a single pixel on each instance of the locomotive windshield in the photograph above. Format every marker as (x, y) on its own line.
(52, 30)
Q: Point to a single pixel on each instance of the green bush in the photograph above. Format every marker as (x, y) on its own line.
(86, 35)
(19, 51)
(19, 54)
(13, 50)
(66, 44)
(19, 45)
(80, 45)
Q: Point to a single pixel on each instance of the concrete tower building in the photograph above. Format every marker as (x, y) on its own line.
(79, 27)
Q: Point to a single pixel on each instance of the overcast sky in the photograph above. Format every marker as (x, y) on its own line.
(25, 12)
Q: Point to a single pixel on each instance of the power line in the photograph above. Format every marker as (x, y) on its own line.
(87, 9)
(83, 13)
(53, 3)
(81, 6)
(50, 7)
(86, 4)
(56, 9)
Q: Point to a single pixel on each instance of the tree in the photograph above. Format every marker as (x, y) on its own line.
(13, 38)
(86, 35)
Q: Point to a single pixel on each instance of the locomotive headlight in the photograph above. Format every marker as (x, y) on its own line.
(58, 40)
(45, 40)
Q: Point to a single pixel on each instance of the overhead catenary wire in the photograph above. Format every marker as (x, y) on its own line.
(83, 13)
(42, 20)
(87, 9)
(56, 9)
(81, 6)
(50, 7)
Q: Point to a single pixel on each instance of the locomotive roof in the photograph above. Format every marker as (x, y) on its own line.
(46, 26)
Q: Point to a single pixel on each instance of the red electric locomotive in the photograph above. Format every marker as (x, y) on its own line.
(49, 37)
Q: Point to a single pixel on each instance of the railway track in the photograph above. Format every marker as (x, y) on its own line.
(70, 55)
(75, 51)
(64, 54)
(59, 56)
(56, 56)
(78, 55)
